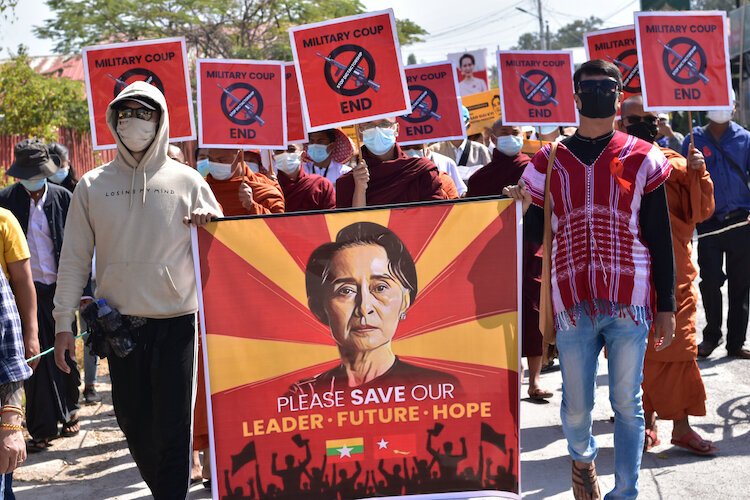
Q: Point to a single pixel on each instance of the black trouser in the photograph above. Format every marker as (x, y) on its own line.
(152, 392)
(51, 395)
(735, 244)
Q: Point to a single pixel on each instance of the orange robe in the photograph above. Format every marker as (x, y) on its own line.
(672, 384)
(448, 186)
(267, 196)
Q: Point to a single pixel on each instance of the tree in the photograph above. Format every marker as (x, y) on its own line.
(570, 35)
(253, 29)
(726, 5)
(36, 105)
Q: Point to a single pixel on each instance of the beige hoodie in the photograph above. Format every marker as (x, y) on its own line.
(132, 212)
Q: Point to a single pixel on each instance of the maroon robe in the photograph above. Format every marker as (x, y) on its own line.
(502, 171)
(307, 192)
(490, 180)
(402, 180)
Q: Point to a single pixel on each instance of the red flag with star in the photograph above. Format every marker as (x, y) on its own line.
(395, 446)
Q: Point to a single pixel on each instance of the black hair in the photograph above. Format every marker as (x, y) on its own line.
(470, 56)
(597, 67)
(400, 262)
(330, 134)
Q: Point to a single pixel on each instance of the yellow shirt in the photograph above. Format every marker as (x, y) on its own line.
(13, 246)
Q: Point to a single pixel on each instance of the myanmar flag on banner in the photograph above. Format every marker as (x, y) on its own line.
(346, 449)
(398, 446)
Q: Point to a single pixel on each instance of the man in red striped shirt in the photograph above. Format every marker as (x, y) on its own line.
(611, 253)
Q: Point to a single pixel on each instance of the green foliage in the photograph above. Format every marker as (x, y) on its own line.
(570, 35)
(253, 29)
(713, 5)
(36, 105)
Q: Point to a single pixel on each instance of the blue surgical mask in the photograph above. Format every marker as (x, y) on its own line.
(548, 129)
(509, 145)
(202, 167)
(32, 186)
(318, 152)
(379, 140)
(59, 176)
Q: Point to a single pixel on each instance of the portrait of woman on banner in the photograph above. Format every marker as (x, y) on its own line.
(361, 286)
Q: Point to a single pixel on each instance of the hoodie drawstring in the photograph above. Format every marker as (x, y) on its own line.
(132, 186)
(143, 200)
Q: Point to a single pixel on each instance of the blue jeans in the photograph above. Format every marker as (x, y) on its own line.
(579, 348)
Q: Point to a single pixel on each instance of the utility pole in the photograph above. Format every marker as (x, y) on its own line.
(542, 40)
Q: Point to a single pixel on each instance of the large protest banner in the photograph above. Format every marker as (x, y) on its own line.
(684, 60)
(484, 110)
(536, 87)
(108, 69)
(241, 103)
(471, 69)
(349, 350)
(349, 70)
(295, 124)
(618, 46)
(436, 109)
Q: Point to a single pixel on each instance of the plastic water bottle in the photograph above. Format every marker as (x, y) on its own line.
(109, 318)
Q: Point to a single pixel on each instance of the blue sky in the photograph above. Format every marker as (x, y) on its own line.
(476, 24)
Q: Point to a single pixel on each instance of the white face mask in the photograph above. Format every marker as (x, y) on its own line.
(414, 153)
(720, 115)
(219, 171)
(136, 134)
(509, 145)
(287, 162)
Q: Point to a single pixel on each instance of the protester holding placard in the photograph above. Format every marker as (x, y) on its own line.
(302, 191)
(327, 153)
(132, 209)
(603, 280)
(726, 146)
(239, 187)
(385, 175)
(506, 167)
(672, 383)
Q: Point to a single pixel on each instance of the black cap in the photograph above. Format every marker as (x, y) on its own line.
(32, 160)
(57, 152)
(142, 100)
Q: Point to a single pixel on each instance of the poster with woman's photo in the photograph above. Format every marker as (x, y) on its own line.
(363, 353)
(471, 66)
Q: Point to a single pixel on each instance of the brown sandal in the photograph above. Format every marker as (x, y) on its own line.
(586, 483)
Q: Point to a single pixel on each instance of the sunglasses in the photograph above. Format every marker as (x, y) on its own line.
(607, 86)
(634, 119)
(140, 113)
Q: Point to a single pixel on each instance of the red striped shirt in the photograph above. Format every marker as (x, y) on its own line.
(597, 251)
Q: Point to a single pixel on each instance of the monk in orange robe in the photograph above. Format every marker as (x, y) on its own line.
(239, 189)
(672, 384)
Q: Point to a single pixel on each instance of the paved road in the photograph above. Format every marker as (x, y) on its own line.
(96, 464)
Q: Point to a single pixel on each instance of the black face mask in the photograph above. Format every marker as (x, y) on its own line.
(598, 104)
(643, 130)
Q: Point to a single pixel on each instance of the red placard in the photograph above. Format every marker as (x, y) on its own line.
(537, 87)
(350, 70)
(241, 103)
(684, 60)
(436, 108)
(108, 69)
(295, 124)
(617, 45)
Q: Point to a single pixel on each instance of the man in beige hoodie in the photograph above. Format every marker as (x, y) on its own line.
(135, 209)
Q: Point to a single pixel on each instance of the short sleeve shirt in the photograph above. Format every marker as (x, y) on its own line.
(13, 245)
